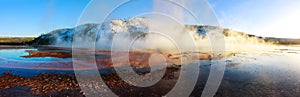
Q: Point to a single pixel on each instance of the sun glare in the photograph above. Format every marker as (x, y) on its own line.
(286, 27)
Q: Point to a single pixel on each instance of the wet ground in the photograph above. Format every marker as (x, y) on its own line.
(268, 73)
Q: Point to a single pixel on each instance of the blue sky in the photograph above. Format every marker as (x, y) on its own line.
(34, 17)
(278, 18)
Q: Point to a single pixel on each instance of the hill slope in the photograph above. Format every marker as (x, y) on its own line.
(137, 26)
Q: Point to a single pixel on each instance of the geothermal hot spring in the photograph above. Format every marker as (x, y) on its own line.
(259, 70)
(252, 68)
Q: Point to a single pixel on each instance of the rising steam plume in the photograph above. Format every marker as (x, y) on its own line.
(139, 32)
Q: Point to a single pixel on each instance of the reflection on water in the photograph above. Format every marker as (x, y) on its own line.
(275, 73)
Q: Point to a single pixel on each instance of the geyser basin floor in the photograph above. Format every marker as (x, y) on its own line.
(273, 73)
(55, 58)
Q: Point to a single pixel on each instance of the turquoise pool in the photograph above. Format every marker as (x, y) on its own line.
(15, 54)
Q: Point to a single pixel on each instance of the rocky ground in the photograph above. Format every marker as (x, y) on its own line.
(62, 85)
(41, 85)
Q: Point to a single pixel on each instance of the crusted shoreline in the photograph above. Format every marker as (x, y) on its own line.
(67, 85)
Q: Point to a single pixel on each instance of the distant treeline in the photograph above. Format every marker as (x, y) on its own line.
(283, 41)
(16, 40)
